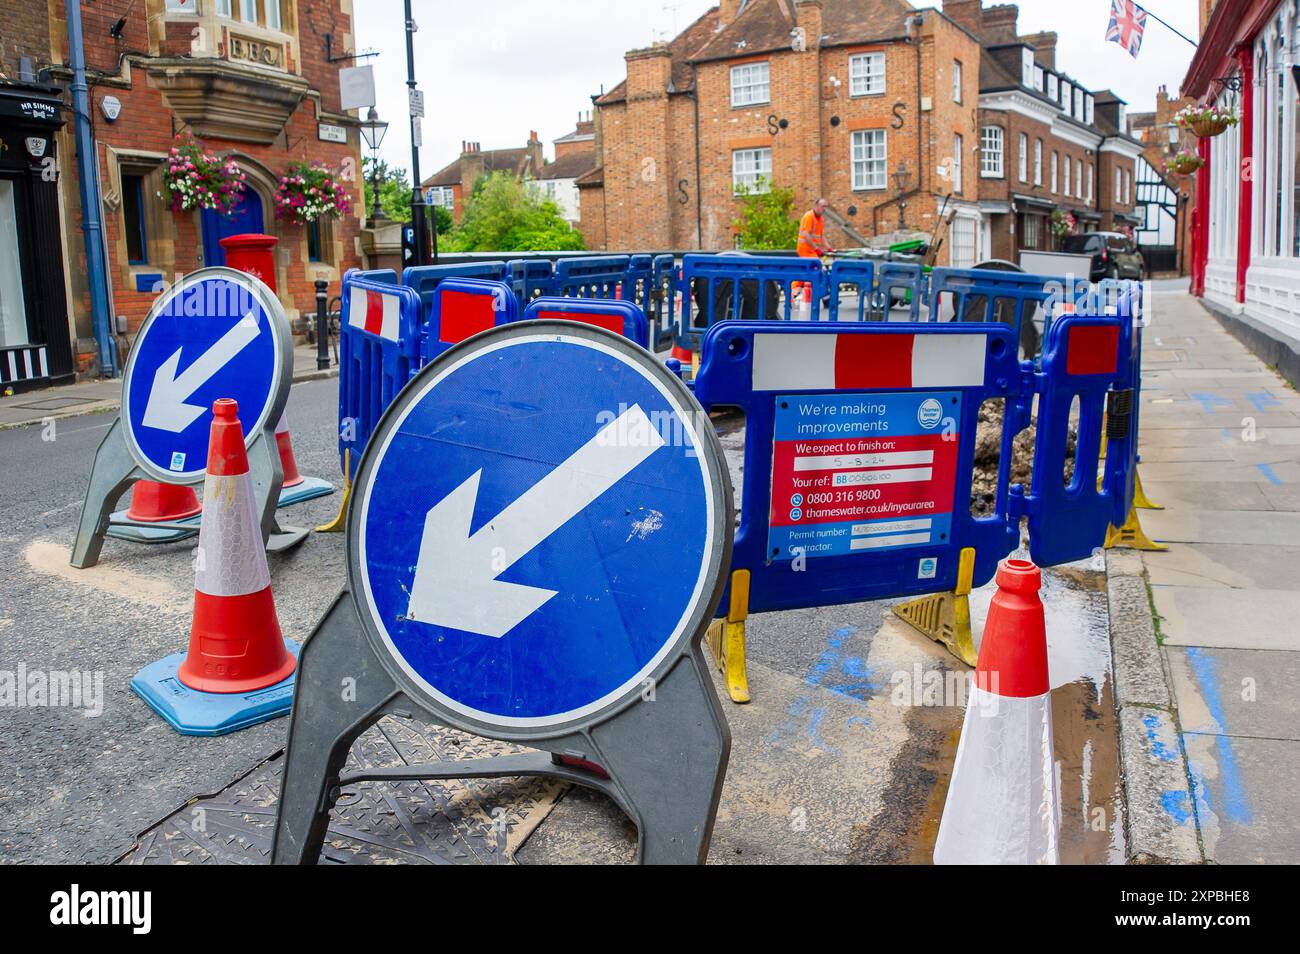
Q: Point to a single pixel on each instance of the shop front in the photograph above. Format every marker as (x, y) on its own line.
(35, 343)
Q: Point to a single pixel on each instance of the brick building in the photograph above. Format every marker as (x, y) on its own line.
(1046, 141)
(575, 156)
(846, 100)
(1164, 198)
(890, 112)
(249, 78)
(455, 181)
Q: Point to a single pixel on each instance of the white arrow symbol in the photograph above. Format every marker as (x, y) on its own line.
(456, 581)
(166, 409)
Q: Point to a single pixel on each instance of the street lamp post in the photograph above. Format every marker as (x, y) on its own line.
(418, 215)
(902, 178)
(372, 131)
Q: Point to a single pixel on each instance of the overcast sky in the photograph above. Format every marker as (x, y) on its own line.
(493, 70)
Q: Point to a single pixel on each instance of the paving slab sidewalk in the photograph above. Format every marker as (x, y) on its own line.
(104, 394)
(1210, 728)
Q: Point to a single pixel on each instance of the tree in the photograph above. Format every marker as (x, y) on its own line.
(766, 218)
(394, 190)
(504, 215)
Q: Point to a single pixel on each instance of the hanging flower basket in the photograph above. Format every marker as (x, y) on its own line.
(309, 192)
(1062, 223)
(1206, 121)
(194, 178)
(1185, 163)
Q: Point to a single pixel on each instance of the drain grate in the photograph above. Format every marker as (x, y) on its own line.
(474, 821)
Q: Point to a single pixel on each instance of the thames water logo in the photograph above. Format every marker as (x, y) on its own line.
(929, 414)
(132, 908)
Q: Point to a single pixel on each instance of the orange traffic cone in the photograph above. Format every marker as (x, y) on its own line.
(292, 476)
(152, 502)
(296, 488)
(1002, 803)
(156, 503)
(237, 653)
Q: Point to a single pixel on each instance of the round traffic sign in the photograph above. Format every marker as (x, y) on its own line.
(217, 333)
(541, 521)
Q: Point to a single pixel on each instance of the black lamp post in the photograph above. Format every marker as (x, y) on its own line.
(902, 178)
(372, 131)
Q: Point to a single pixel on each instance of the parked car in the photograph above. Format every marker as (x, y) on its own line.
(1113, 254)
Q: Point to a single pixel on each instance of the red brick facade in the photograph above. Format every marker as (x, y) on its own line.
(248, 89)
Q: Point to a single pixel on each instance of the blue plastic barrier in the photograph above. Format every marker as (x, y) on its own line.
(860, 275)
(826, 402)
(660, 316)
(461, 308)
(904, 283)
(425, 278)
(1083, 358)
(598, 276)
(740, 287)
(378, 350)
(622, 317)
(531, 278)
(1124, 402)
(385, 275)
(638, 282)
(1013, 298)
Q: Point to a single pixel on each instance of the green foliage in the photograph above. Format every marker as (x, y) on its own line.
(767, 218)
(394, 190)
(503, 215)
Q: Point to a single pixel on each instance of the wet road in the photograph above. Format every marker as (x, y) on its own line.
(841, 757)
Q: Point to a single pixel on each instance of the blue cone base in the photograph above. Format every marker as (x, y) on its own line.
(191, 712)
(138, 534)
(309, 489)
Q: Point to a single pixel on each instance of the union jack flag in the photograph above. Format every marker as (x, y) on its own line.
(1127, 21)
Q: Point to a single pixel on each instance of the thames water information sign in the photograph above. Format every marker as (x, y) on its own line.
(859, 473)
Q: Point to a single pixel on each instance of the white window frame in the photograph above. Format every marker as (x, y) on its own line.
(751, 84)
(958, 147)
(1065, 182)
(1119, 184)
(1053, 164)
(1078, 179)
(1128, 186)
(268, 6)
(1053, 86)
(956, 81)
(446, 197)
(867, 74)
(1090, 182)
(224, 9)
(247, 11)
(1038, 162)
(1023, 165)
(869, 172)
(182, 6)
(751, 167)
(992, 150)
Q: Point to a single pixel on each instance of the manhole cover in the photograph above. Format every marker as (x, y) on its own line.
(460, 821)
(54, 404)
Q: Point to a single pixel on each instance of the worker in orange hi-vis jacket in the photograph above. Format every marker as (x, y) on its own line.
(812, 236)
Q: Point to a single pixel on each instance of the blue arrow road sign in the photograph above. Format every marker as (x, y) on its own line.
(533, 524)
(217, 333)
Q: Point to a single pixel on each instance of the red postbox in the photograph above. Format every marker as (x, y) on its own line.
(251, 253)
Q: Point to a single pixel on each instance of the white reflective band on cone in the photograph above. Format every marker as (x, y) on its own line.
(1002, 801)
(230, 560)
(283, 424)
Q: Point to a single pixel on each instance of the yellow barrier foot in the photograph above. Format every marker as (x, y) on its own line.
(1131, 535)
(945, 617)
(726, 639)
(1140, 498)
(336, 525)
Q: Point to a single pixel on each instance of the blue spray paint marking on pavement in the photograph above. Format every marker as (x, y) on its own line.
(1210, 402)
(1158, 747)
(1268, 472)
(1226, 436)
(846, 676)
(1205, 668)
(1263, 400)
(1177, 806)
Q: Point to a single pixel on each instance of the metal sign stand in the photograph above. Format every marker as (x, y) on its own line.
(657, 743)
(119, 462)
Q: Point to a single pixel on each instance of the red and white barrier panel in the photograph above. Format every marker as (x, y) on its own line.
(375, 312)
(803, 362)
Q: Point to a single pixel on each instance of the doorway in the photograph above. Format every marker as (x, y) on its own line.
(13, 302)
(244, 218)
